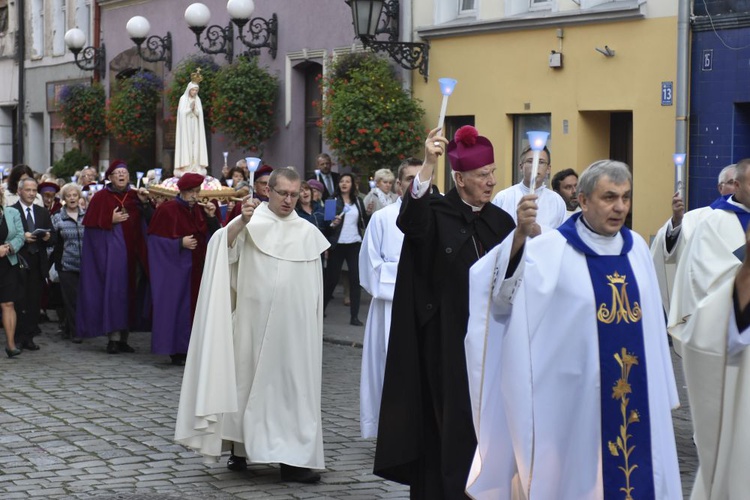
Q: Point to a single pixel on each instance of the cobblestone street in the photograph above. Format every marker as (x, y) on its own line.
(78, 423)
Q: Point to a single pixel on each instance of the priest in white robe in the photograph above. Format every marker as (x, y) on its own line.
(704, 318)
(552, 211)
(671, 239)
(253, 371)
(378, 264)
(570, 373)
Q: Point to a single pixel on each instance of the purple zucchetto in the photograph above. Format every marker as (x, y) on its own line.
(469, 151)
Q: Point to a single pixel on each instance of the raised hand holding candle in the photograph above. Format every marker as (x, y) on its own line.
(537, 141)
(252, 165)
(447, 85)
(679, 163)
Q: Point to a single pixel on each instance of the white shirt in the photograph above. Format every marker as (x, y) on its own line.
(349, 229)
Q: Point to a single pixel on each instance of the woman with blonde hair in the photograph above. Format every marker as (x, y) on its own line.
(68, 226)
(382, 194)
(11, 236)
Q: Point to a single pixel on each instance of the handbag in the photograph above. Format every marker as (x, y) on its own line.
(22, 263)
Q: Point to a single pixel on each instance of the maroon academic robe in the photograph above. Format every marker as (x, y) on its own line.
(176, 272)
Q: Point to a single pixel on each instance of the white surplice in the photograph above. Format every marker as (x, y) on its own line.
(533, 362)
(253, 371)
(378, 264)
(715, 359)
(552, 211)
(665, 262)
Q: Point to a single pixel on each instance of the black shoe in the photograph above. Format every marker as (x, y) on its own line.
(289, 473)
(77, 340)
(178, 359)
(112, 347)
(12, 352)
(124, 347)
(355, 322)
(236, 463)
(29, 345)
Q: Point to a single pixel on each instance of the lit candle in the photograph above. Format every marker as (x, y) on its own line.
(230, 182)
(446, 88)
(372, 184)
(679, 164)
(139, 175)
(537, 141)
(317, 174)
(157, 175)
(226, 154)
(73, 178)
(252, 165)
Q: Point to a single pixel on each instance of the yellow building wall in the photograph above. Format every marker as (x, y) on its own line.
(503, 74)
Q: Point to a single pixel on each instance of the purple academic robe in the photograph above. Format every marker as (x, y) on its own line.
(103, 286)
(171, 270)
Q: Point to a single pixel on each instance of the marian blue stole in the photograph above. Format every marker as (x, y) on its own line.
(723, 204)
(626, 430)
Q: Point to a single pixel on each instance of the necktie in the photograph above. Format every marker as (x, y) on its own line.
(329, 183)
(33, 247)
(30, 220)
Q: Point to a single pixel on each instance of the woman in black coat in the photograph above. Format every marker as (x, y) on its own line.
(345, 234)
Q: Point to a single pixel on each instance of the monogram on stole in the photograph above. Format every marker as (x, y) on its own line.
(620, 308)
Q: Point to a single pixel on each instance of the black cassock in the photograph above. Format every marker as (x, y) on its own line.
(426, 434)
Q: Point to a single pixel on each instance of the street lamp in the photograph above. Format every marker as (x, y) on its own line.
(160, 48)
(91, 58)
(219, 39)
(263, 32)
(366, 16)
(260, 32)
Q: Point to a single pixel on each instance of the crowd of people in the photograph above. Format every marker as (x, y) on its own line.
(515, 343)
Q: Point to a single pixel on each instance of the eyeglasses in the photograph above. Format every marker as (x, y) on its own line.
(530, 161)
(284, 194)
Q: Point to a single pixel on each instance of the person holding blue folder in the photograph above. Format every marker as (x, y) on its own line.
(345, 235)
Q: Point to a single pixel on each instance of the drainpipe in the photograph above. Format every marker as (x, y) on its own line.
(683, 80)
(405, 26)
(21, 55)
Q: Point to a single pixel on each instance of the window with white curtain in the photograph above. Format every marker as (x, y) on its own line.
(83, 18)
(37, 29)
(59, 23)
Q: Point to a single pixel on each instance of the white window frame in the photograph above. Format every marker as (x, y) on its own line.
(536, 5)
(461, 12)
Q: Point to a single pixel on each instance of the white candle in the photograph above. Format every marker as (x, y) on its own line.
(443, 109)
(317, 174)
(534, 172)
(679, 164)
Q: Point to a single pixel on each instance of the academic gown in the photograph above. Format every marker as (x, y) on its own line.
(253, 370)
(552, 210)
(175, 272)
(715, 361)
(378, 264)
(113, 292)
(425, 433)
(534, 369)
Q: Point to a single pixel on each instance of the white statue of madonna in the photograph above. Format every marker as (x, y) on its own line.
(190, 152)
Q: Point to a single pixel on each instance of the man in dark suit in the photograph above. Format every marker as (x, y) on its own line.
(329, 179)
(34, 252)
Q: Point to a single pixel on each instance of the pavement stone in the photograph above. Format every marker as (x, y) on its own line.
(81, 424)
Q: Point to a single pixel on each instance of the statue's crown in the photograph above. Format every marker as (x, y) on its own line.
(196, 77)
